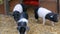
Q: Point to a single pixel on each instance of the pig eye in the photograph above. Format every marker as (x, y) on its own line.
(51, 16)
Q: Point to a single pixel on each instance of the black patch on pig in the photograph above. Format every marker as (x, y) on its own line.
(52, 17)
(24, 15)
(21, 30)
(36, 13)
(16, 15)
(22, 24)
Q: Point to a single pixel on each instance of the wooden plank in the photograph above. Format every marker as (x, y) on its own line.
(21, 1)
(6, 5)
(49, 5)
(58, 6)
(2, 9)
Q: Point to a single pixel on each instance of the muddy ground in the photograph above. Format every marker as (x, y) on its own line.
(8, 25)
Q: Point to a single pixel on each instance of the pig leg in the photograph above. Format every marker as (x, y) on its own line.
(36, 13)
(52, 23)
(43, 21)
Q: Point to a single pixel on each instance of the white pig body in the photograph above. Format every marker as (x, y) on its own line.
(46, 14)
(18, 7)
(42, 12)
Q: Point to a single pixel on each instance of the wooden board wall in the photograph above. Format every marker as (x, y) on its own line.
(13, 3)
(49, 4)
(2, 9)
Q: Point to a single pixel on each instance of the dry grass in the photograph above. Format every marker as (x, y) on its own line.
(8, 26)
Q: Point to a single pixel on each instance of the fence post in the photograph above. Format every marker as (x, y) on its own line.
(58, 6)
(6, 6)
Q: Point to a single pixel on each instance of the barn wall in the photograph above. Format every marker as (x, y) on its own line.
(59, 5)
(13, 3)
(2, 9)
(50, 0)
(50, 4)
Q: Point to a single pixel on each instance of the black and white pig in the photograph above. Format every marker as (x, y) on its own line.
(46, 14)
(21, 17)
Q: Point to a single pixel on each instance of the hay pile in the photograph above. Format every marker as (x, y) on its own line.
(8, 26)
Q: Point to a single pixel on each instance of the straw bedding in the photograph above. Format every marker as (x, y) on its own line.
(8, 25)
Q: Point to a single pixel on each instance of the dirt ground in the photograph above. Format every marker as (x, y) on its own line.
(8, 25)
